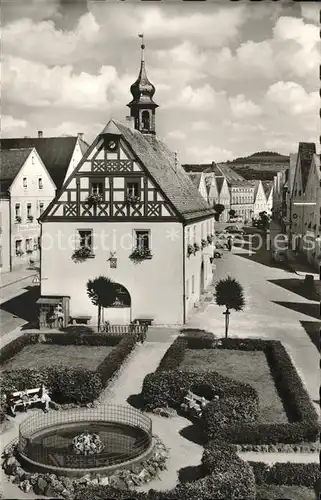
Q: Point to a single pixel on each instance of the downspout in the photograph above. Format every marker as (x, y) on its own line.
(10, 233)
(184, 273)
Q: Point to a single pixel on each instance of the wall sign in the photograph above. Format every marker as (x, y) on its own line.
(113, 262)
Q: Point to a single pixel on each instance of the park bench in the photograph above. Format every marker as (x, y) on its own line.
(83, 320)
(194, 404)
(32, 397)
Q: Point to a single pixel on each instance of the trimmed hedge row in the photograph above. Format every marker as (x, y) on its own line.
(67, 384)
(286, 473)
(303, 425)
(225, 476)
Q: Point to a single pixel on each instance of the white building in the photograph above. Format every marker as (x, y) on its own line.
(146, 207)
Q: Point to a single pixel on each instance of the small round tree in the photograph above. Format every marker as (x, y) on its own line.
(229, 293)
(102, 293)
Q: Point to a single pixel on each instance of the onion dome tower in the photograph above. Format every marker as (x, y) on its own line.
(142, 107)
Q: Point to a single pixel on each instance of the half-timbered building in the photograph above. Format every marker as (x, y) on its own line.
(129, 212)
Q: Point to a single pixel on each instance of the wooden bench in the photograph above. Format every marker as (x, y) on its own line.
(80, 320)
(194, 404)
(33, 396)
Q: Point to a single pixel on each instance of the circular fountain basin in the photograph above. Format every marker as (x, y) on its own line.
(46, 440)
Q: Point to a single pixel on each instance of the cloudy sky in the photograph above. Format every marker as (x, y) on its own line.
(231, 78)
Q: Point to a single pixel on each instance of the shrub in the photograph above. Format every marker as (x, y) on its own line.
(95, 339)
(12, 348)
(296, 474)
(198, 340)
(169, 387)
(116, 357)
(174, 355)
(79, 330)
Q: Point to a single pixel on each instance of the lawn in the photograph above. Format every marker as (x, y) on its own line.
(273, 492)
(36, 355)
(250, 367)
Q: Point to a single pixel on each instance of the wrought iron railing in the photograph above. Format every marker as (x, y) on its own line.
(131, 436)
(123, 329)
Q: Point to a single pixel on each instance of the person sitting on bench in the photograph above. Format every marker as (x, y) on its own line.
(11, 405)
(25, 400)
(45, 398)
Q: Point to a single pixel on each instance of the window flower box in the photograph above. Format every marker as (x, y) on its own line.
(190, 250)
(196, 248)
(30, 218)
(203, 243)
(132, 199)
(140, 254)
(93, 199)
(29, 251)
(82, 254)
(18, 220)
(210, 238)
(19, 253)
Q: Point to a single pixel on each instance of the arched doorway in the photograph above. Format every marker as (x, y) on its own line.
(120, 311)
(202, 283)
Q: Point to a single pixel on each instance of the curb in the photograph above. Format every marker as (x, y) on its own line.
(17, 281)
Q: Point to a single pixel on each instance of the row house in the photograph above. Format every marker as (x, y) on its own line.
(32, 169)
(305, 190)
(131, 213)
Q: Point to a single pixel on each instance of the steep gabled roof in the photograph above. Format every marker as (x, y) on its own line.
(172, 179)
(196, 178)
(232, 177)
(55, 152)
(267, 186)
(306, 152)
(11, 161)
(200, 167)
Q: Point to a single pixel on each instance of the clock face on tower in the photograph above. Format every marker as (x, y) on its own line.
(111, 145)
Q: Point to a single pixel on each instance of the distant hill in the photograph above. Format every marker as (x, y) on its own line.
(261, 165)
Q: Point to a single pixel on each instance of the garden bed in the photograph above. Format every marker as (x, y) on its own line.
(232, 416)
(47, 355)
(67, 383)
(249, 367)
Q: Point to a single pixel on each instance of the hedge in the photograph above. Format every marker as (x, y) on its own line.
(303, 425)
(225, 477)
(67, 384)
(290, 474)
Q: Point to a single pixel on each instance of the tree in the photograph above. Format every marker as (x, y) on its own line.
(263, 221)
(229, 293)
(102, 292)
(232, 213)
(219, 209)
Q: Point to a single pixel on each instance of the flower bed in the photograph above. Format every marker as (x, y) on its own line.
(67, 384)
(168, 385)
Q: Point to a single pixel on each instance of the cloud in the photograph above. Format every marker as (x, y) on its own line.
(201, 126)
(176, 134)
(9, 123)
(292, 99)
(244, 108)
(203, 98)
(208, 154)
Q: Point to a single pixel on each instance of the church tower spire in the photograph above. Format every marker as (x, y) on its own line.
(142, 107)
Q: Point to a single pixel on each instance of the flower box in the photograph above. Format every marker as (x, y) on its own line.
(190, 250)
(132, 199)
(30, 218)
(210, 239)
(196, 248)
(19, 253)
(18, 220)
(81, 254)
(204, 243)
(93, 199)
(29, 251)
(140, 254)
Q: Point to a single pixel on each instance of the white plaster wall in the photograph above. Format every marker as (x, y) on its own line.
(5, 234)
(155, 286)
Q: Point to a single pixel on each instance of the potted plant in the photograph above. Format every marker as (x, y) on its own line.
(196, 248)
(93, 199)
(18, 219)
(140, 254)
(131, 199)
(81, 254)
(190, 250)
(203, 243)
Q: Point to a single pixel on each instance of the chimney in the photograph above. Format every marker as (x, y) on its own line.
(130, 121)
(81, 135)
(40, 134)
